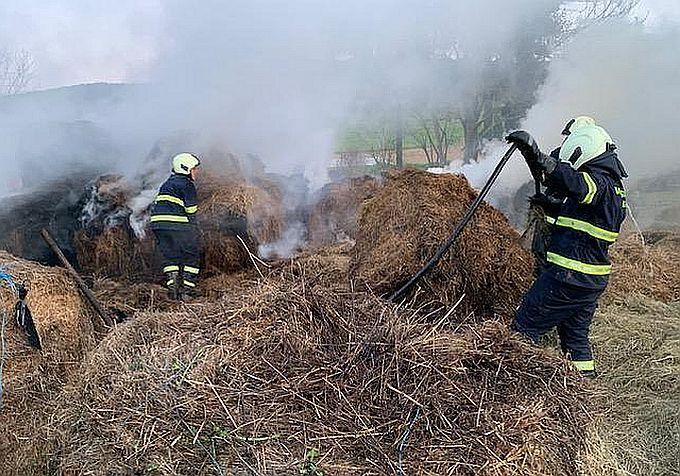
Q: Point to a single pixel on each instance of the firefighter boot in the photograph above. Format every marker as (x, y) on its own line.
(189, 285)
(174, 285)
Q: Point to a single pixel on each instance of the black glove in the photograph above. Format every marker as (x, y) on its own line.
(537, 161)
(551, 205)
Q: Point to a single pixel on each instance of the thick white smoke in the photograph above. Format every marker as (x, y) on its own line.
(625, 76)
(274, 78)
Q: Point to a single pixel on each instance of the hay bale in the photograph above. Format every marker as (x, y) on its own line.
(255, 383)
(408, 219)
(63, 322)
(651, 270)
(229, 209)
(334, 216)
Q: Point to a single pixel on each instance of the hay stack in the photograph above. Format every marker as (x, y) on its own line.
(291, 378)
(651, 270)
(64, 324)
(53, 206)
(229, 209)
(334, 217)
(402, 226)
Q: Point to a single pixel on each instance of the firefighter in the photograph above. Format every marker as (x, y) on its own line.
(173, 221)
(585, 205)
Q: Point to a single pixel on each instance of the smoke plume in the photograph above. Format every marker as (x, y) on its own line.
(277, 79)
(625, 76)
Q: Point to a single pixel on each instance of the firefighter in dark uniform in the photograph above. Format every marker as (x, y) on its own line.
(173, 222)
(585, 204)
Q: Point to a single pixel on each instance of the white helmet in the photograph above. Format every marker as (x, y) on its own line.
(585, 141)
(184, 163)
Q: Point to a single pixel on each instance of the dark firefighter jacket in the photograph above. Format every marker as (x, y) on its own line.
(176, 204)
(587, 222)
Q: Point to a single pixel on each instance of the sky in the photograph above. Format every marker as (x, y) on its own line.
(84, 41)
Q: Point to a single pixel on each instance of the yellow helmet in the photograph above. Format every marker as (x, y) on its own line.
(184, 163)
(585, 141)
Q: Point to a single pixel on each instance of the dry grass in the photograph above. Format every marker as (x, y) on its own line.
(32, 377)
(637, 344)
(124, 299)
(253, 383)
(414, 212)
(116, 253)
(334, 216)
(652, 271)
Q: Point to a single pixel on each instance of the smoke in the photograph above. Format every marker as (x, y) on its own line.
(280, 79)
(287, 245)
(277, 79)
(625, 76)
(622, 73)
(83, 41)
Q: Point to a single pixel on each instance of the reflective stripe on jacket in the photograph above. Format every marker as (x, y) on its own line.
(175, 205)
(589, 221)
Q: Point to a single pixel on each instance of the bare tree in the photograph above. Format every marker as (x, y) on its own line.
(435, 137)
(17, 69)
(606, 9)
(383, 148)
(507, 87)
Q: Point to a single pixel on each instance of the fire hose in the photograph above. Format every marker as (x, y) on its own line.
(444, 247)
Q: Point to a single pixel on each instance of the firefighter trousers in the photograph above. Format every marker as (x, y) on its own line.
(180, 252)
(551, 303)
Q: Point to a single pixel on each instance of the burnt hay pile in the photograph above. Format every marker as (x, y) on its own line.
(334, 216)
(401, 227)
(231, 210)
(290, 377)
(108, 247)
(31, 377)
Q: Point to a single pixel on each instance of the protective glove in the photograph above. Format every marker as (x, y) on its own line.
(550, 205)
(537, 161)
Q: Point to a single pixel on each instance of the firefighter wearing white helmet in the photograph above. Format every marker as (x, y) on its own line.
(184, 163)
(585, 141)
(585, 205)
(173, 222)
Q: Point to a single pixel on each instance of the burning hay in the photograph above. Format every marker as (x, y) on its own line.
(105, 244)
(232, 210)
(108, 247)
(116, 252)
(334, 217)
(403, 225)
(30, 376)
(651, 270)
(287, 377)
